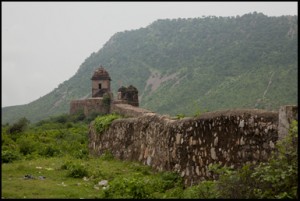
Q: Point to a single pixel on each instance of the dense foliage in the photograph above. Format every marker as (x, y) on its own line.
(247, 61)
(57, 136)
(102, 123)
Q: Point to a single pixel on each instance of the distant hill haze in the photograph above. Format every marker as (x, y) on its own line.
(189, 66)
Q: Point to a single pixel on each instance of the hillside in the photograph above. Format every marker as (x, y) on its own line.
(183, 66)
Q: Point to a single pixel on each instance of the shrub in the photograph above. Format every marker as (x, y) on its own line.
(180, 116)
(176, 193)
(107, 156)
(102, 123)
(8, 156)
(170, 180)
(66, 165)
(27, 145)
(233, 184)
(204, 190)
(78, 116)
(127, 188)
(106, 100)
(81, 154)
(49, 151)
(279, 177)
(69, 125)
(8, 142)
(19, 126)
(61, 118)
(75, 170)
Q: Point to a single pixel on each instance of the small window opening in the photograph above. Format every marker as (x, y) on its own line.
(100, 86)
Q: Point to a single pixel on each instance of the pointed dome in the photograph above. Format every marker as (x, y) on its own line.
(101, 74)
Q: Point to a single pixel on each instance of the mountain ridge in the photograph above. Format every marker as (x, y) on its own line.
(189, 65)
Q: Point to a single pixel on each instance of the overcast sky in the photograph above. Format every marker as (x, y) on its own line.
(44, 43)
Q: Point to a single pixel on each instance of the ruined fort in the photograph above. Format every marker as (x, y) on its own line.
(102, 100)
(187, 146)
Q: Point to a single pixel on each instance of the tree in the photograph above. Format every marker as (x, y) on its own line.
(19, 126)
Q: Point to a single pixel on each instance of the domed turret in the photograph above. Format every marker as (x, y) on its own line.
(101, 74)
(100, 82)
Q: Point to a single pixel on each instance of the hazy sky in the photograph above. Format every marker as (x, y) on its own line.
(44, 43)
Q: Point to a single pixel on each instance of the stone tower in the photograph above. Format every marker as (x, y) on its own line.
(100, 82)
(129, 95)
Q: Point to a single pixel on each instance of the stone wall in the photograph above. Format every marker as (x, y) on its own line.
(189, 145)
(88, 106)
(127, 110)
(287, 113)
(96, 104)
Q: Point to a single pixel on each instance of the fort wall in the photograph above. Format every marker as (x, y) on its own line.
(89, 106)
(189, 145)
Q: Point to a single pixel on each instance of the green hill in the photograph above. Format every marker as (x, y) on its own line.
(183, 66)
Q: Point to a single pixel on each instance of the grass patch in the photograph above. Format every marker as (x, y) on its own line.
(133, 179)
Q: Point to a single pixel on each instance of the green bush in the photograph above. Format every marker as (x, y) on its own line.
(138, 186)
(196, 109)
(61, 118)
(145, 170)
(107, 156)
(8, 156)
(8, 142)
(49, 151)
(106, 100)
(180, 116)
(170, 180)
(102, 123)
(19, 126)
(69, 125)
(66, 165)
(79, 116)
(233, 184)
(27, 145)
(81, 154)
(173, 193)
(204, 190)
(75, 169)
(279, 177)
(127, 188)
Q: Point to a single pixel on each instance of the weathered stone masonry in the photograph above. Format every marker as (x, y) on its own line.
(88, 106)
(188, 146)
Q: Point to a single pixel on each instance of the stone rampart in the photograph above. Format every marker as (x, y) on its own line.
(189, 145)
(128, 110)
(88, 106)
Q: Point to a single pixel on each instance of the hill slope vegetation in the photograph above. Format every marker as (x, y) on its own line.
(184, 66)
